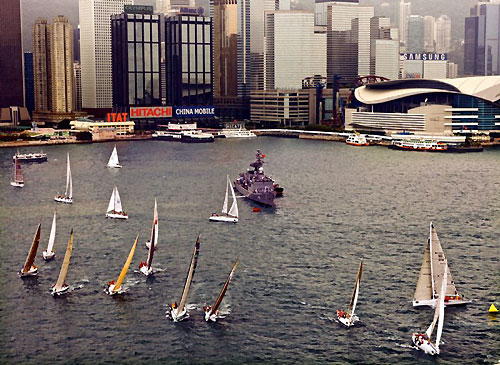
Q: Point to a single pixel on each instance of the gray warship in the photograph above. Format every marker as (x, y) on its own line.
(255, 185)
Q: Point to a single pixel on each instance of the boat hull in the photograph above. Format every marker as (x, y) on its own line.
(265, 198)
(47, 256)
(447, 303)
(419, 149)
(63, 199)
(211, 317)
(17, 184)
(61, 291)
(116, 216)
(177, 317)
(223, 218)
(424, 345)
(357, 144)
(189, 139)
(110, 290)
(115, 166)
(30, 159)
(33, 271)
(144, 269)
(347, 321)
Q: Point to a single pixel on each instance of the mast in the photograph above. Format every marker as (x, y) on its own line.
(52, 236)
(34, 247)
(64, 268)
(224, 206)
(354, 296)
(224, 288)
(125, 267)
(431, 256)
(190, 274)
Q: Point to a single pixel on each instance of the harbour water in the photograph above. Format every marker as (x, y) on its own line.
(298, 262)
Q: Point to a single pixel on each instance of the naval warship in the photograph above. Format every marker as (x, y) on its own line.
(255, 185)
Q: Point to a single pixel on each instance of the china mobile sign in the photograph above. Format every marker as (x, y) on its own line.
(150, 112)
(194, 111)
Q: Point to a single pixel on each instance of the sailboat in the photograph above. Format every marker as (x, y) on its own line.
(431, 276)
(154, 229)
(146, 267)
(178, 312)
(18, 174)
(423, 340)
(115, 209)
(348, 318)
(28, 268)
(68, 195)
(49, 253)
(212, 312)
(116, 288)
(60, 287)
(113, 159)
(232, 214)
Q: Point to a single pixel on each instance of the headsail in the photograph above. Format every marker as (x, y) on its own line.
(18, 173)
(69, 181)
(226, 198)
(52, 236)
(354, 296)
(224, 288)
(34, 247)
(113, 159)
(423, 291)
(111, 204)
(190, 274)
(64, 268)
(438, 314)
(125, 267)
(118, 202)
(234, 207)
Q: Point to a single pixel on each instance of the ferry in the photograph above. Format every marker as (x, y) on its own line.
(357, 140)
(188, 133)
(419, 145)
(236, 133)
(30, 157)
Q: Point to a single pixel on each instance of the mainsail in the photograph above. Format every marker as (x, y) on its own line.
(423, 290)
(234, 207)
(118, 202)
(111, 204)
(34, 247)
(154, 228)
(438, 314)
(69, 181)
(125, 267)
(52, 236)
(113, 159)
(224, 288)
(152, 248)
(18, 173)
(355, 292)
(64, 268)
(190, 274)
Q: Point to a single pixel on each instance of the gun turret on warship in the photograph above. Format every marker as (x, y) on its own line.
(255, 185)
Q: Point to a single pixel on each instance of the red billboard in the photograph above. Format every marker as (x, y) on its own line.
(137, 112)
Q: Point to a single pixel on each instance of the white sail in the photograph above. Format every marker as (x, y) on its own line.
(113, 159)
(69, 181)
(52, 236)
(355, 298)
(423, 291)
(111, 204)
(441, 309)
(118, 202)
(234, 207)
(154, 228)
(224, 206)
(190, 274)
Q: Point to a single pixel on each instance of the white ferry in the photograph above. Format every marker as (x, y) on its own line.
(357, 140)
(188, 133)
(236, 133)
(30, 157)
(419, 145)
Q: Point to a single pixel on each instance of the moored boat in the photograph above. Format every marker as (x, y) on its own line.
(212, 312)
(357, 139)
(49, 253)
(419, 145)
(29, 269)
(348, 318)
(30, 157)
(115, 209)
(236, 133)
(113, 287)
(18, 175)
(68, 195)
(227, 216)
(431, 275)
(60, 287)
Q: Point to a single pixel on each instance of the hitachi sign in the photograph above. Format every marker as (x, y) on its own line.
(151, 112)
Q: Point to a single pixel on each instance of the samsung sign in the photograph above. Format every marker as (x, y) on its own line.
(424, 56)
(194, 111)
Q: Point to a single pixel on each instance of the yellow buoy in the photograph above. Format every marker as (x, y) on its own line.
(493, 309)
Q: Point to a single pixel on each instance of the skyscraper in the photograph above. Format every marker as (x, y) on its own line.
(443, 34)
(404, 13)
(41, 65)
(29, 91)
(165, 6)
(77, 71)
(95, 50)
(11, 56)
(321, 7)
(415, 42)
(429, 33)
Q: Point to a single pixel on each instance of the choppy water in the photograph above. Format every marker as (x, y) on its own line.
(297, 263)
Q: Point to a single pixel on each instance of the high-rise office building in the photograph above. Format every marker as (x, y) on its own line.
(429, 33)
(165, 6)
(404, 13)
(95, 50)
(321, 8)
(415, 42)
(136, 46)
(289, 51)
(29, 87)
(11, 56)
(77, 72)
(76, 44)
(443, 34)
(384, 49)
(188, 60)
(41, 65)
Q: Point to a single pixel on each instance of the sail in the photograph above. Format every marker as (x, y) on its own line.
(52, 236)
(152, 247)
(441, 309)
(125, 267)
(354, 296)
(224, 288)
(437, 311)
(18, 173)
(34, 247)
(439, 266)
(64, 268)
(423, 291)
(113, 159)
(224, 206)
(118, 202)
(111, 204)
(190, 274)
(234, 207)
(69, 181)
(154, 228)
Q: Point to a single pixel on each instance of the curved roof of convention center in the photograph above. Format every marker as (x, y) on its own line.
(483, 87)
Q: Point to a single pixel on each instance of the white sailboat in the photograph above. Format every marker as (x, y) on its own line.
(116, 288)
(423, 340)
(18, 174)
(49, 253)
(178, 312)
(348, 318)
(154, 229)
(227, 216)
(68, 195)
(113, 159)
(212, 312)
(29, 268)
(115, 209)
(431, 276)
(60, 287)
